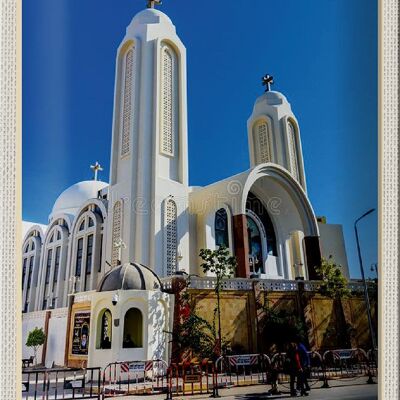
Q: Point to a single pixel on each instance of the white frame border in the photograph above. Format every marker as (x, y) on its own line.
(389, 337)
(10, 199)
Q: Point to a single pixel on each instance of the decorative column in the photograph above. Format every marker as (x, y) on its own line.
(241, 245)
(313, 256)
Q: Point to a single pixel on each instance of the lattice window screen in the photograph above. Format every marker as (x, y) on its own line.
(169, 88)
(116, 232)
(294, 166)
(264, 142)
(171, 235)
(127, 116)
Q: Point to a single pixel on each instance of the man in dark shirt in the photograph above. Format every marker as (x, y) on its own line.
(305, 364)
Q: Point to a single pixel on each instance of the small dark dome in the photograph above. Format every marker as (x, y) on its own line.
(130, 276)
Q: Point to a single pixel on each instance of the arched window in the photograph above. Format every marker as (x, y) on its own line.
(169, 96)
(292, 143)
(263, 142)
(104, 330)
(171, 236)
(261, 233)
(221, 228)
(127, 110)
(133, 329)
(116, 232)
(51, 266)
(30, 257)
(86, 247)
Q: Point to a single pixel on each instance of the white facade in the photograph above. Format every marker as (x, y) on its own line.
(332, 244)
(148, 214)
(149, 167)
(155, 314)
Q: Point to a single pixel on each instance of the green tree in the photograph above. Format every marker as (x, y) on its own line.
(35, 339)
(335, 286)
(334, 283)
(222, 264)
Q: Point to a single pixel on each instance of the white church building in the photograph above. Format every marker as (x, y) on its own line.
(118, 238)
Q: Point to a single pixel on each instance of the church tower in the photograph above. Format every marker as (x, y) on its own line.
(274, 133)
(149, 168)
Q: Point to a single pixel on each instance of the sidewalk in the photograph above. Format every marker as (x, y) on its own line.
(356, 390)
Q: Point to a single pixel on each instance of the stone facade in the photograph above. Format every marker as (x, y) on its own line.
(329, 323)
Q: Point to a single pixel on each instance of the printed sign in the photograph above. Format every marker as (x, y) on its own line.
(80, 338)
(243, 360)
(193, 378)
(137, 367)
(344, 354)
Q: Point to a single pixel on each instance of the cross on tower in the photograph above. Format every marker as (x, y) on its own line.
(267, 81)
(153, 3)
(119, 244)
(96, 168)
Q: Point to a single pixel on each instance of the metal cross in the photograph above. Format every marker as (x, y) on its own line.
(153, 3)
(267, 81)
(96, 168)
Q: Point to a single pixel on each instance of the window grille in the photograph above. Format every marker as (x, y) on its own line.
(264, 143)
(116, 232)
(294, 166)
(171, 236)
(127, 101)
(169, 87)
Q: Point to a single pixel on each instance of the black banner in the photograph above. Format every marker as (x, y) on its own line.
(80, 339)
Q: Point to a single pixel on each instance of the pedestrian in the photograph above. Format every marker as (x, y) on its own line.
(294, 370)
(273, 379)
(302, 384)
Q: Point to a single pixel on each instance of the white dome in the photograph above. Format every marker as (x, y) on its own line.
(272, 98)
(72, 199)
(151, 16)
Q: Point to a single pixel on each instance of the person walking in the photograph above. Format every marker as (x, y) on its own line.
(294, 369)
(305, 366)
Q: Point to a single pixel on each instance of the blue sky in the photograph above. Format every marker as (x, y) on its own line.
(323, 55)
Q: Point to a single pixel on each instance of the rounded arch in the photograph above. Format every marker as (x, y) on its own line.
(292, 188)
(34, 230)
(61, 219)
(104, 329)
(87, 245)
(52, 273)
(133, 328)
(99, 206)
(31, 254)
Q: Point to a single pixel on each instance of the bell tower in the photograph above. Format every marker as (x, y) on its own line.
(149, 168)
(274, 133)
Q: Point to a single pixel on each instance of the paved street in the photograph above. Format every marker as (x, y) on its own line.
(339, 390)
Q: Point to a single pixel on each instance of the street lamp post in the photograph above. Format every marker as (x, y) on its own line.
(367, 303)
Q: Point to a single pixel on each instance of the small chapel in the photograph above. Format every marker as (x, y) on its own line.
(95, 276)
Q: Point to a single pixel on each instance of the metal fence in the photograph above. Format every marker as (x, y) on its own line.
(189, 378)
(194, 377)
(241, 370)
(61, 384)
(134, 377)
